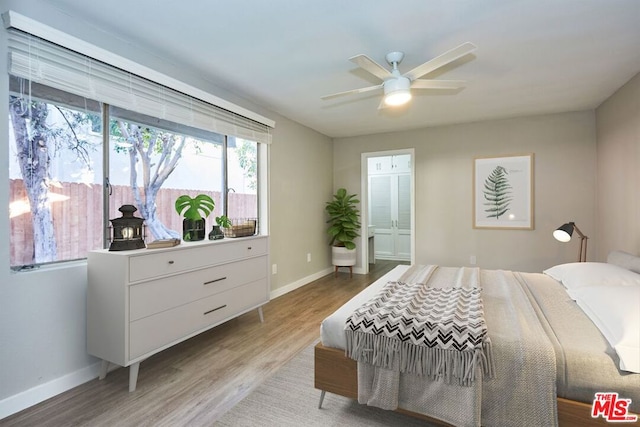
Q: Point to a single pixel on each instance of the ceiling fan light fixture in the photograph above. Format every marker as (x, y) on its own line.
(396, 85)
(396, 91)
(399, 97)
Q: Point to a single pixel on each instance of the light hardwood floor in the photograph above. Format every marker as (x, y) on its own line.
(195, 382)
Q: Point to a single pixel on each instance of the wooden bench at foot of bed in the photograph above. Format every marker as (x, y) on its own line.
(336, 373)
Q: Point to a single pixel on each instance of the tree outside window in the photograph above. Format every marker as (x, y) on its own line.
(57, 178)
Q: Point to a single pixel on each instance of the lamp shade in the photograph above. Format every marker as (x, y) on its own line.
(564, 232)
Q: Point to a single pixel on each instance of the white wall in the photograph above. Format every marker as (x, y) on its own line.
(301, 183)
(618, 124)
(565, 159)
(42, 313)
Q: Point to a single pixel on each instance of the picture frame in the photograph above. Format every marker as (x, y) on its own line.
(503, 192)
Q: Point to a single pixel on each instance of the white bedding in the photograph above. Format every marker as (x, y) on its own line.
(615, 310)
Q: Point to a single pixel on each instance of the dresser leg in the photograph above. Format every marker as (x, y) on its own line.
(133, 376)
(104, 368)
(261, 314)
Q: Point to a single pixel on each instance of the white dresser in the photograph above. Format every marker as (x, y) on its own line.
(143, 301)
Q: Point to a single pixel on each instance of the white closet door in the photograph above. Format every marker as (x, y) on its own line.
(390, 213)
(403, 224)
(380, 211)
(380, 165)
(401, 163)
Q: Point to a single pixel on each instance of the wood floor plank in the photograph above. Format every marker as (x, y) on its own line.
(195, 382)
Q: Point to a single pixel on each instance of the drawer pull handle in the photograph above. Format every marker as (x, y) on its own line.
(215, 309)
(215, 280)
(249, 248)
(170, 262)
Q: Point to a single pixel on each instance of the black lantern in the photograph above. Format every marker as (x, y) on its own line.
(127, 230)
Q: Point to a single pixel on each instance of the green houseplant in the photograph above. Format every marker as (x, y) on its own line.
(194, 210)
(344, 225)
(222, 222)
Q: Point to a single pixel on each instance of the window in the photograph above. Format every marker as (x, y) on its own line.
(69, 175)
(153, 162)
(55, 208)
(242, 167)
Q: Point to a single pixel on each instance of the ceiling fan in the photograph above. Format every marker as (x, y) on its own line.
(397, 86)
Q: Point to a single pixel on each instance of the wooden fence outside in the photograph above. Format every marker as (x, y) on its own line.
(79, 232)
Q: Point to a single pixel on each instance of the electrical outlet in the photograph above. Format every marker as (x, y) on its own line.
(472, 260)
(309, 257)
(274, 269)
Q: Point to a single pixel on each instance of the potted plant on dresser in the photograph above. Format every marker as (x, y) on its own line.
(344, 224)
(221, 222)
(194, 210)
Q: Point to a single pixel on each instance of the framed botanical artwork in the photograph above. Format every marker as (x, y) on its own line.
(503, 192)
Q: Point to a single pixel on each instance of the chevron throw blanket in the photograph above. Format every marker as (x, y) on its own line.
(439, 332)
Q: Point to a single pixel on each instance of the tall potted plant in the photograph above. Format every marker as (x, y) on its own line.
(194, 210)
(344, 224)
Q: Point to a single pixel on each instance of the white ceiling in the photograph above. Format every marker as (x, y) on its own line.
(533, 56)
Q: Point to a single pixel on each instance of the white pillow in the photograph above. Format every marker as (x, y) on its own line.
(624, 260)
(615, 310)
(584, 274)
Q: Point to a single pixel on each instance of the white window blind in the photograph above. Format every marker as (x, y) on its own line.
(46, 63)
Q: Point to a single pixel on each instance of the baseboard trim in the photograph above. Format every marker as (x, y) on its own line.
(299, 283)
(23, 400)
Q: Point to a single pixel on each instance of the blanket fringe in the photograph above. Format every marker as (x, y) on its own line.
(449, 365)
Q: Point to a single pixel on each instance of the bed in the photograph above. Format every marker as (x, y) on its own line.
(565, 302)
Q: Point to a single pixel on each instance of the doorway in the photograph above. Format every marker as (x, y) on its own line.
(388, 206)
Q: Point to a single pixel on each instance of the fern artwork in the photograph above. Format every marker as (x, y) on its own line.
(497, 193)
(503, 192)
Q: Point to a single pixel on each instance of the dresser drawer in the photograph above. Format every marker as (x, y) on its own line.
(186, 257)
(148, 298)
(171, 326)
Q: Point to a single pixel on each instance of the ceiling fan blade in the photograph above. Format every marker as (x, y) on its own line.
(368, 64)
(437, 84)
(442, 60)
(353, 91)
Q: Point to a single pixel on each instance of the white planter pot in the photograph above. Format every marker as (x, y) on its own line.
(343, 257)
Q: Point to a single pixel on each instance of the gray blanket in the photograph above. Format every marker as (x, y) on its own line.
(523, 390)
(435, 332)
